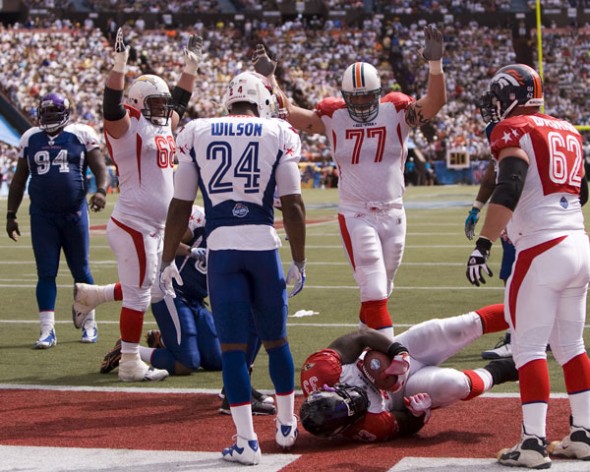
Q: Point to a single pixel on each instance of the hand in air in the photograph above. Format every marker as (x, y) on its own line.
(193, 54)
(433, 44)
(262, 63)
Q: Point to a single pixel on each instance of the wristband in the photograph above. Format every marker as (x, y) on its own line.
(484, 245)
(477, 204)
(435, 67)
(11, 215)
(395, 348)
(102, 191)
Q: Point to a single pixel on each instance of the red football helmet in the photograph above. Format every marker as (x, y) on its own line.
(321, 368)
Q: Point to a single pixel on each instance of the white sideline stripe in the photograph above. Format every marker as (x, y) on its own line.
(285, 263)
(290, 325)
(457, 464)
(320, 287)
(42, 459)
(189, 391)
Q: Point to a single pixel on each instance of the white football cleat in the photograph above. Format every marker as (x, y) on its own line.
(89, 332)
(86, 298)
(47, 339)
(243, 451)
(286, 433)
(575, 445)
(137, 371)
(530, 452)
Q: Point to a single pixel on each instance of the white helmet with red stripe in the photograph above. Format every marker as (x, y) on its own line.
(361, 90)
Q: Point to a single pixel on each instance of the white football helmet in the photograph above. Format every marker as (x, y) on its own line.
(361, 90)
(151, 95)
(252, 88)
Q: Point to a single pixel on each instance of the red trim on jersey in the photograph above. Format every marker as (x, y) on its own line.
(399, 100)
(521, 267)
(118, 292)
(533, 378)
(375, 315)
(477, 385)
(138, 143)
(404, 154)
(110, 150)
(577, 374)
(137, 238)
(492, 318)
(133, 112)
(131, 325)
(346, 238)
(329, 105)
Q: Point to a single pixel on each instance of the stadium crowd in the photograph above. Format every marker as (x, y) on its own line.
(310, 66)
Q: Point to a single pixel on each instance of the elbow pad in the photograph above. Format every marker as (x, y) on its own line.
(511, 176)
(112, 104)
(180, 99)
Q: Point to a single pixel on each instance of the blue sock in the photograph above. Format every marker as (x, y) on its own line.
(236, 379)
(281, 369)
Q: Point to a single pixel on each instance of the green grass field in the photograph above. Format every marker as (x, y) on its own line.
(431, 283)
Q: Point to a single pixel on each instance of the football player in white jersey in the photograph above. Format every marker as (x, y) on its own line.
(236, 161)
(141, 144)
(368, 136)
(537, 198)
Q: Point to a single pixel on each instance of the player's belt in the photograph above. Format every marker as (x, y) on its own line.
(383, 206)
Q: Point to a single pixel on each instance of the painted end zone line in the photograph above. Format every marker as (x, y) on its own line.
(42, 459)
(456, 464)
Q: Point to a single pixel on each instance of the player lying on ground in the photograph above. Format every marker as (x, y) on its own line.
(391, 387)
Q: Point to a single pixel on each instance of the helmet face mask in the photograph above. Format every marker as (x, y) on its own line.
(54, 112)
(252, 88)
(361, 91)
(326, 413)
(512, 86)
(150, 95)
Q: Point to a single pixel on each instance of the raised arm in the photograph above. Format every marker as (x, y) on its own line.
(421, 111)
(300, 118)
(116, 119)
(181, 94)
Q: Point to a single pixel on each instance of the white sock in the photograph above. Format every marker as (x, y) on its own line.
(285, 407)
(47, 319)
(130, 348)
(242, 416)
(146, 354)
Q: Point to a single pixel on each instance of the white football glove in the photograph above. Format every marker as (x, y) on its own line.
(121, 53)
(296, 276)
(199, 254)
(419, 404)
(193, 54)
(168, 274)
(400, 366)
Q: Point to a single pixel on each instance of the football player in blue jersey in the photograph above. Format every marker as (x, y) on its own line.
(55, 154)
(236, 161)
